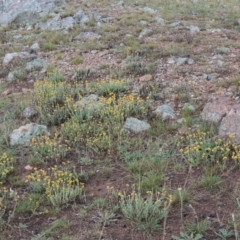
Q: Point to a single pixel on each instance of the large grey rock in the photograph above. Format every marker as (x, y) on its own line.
(24, 134)
(57, 23)
(26, 12)
(10, 57)
(230, 124)
(216, 109)
(135, 125)
(165, 111)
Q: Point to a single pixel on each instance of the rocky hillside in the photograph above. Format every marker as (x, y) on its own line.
(119, 119)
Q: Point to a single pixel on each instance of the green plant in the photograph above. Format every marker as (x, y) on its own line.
(77, 60)
(30, 204)
(210, 182)
(108, 87)
(181, 196)
(61, 185)
(145, 212)
(186, 236)
(198, 227)
(224, 234)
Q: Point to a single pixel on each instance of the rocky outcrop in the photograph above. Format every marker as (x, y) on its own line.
(24, 134)
(26, 12)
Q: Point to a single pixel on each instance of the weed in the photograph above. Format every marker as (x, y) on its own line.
(77, 60)
(45, 149)
(199, 227)
(210, 182)
(145, 212)
(186, 236)
(61, 186)
(224, 234)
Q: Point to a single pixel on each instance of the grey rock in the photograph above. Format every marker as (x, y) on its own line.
(175, 24)
(217, 56)
(171, 60)
(29, 112)
(190, 61)
(57, 24)
(143, 22)
(223, 50)
(238, 21)
(35, 48)
(145, 32)
(160, 21)
(24, 134)
(87, 36)
(120, 3)
(37, 64)
(165, 111)
(9, 57)
(216, 109)
(135, 125)
(194, 29)
(220, 63)
(150, 10)
(209, 77)
(230, 124)
(26, 12)
(181, 61)
(10, 77)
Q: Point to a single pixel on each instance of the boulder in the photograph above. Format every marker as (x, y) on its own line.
(24, 134)
(165, 111)
(135, 125)
(10, 57)
(230, 124)
(26, 12)
(216, 109)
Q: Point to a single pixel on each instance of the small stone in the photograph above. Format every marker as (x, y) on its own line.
(7, 92)
(223, 50)
(26, 90)
(146, 78)
(10, 77)
(190, 61)
(28, 168)
(181, 61)
(29, 112)
(35, 48)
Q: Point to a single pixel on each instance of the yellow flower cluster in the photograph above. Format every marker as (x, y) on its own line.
(6, 165)
(201, 147)
(45, 148)
(59, 185)
(104, 125)
(54, 100)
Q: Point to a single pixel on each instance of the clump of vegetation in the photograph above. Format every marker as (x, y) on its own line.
(45, 149)
(61, 185)
(145, 212)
